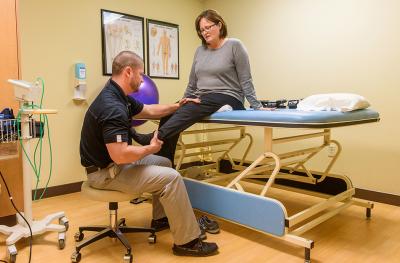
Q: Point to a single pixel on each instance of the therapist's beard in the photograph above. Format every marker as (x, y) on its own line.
(134, 86)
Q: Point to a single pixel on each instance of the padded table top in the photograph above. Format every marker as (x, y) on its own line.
(293, 118)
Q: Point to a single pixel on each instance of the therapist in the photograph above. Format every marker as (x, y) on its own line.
(112, 163)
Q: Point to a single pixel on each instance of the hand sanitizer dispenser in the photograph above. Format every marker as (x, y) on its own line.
(80, 82)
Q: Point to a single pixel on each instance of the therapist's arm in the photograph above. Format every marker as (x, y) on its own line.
(122, 153)
(156, 111)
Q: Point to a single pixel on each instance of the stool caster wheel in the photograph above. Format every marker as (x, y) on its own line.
(13, 258)
(128, 258)
(152, 239)
(61, 243)
(61, 240)
(12, 254)
(75, 257)
(78, 236)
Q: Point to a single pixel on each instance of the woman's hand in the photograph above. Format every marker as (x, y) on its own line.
(156, 143)
(186, 100)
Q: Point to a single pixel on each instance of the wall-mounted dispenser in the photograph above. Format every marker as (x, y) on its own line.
(80, 81)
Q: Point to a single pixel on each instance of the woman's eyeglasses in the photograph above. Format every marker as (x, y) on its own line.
(207, 28)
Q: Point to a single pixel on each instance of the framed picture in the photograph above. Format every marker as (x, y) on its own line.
(162, 49)
(120, 32)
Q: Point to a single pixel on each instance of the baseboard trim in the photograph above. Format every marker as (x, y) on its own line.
(374, 196)
(58, 190)
(8, 220)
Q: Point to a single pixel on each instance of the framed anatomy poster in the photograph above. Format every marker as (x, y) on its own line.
(120, 32)
(162, 49)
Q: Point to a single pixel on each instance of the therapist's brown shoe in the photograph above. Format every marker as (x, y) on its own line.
(196, 248)
(162, 224)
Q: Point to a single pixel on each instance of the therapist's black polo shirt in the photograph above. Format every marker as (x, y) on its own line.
(107, 120)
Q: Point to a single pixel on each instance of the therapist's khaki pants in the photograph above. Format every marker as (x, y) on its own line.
(153, 174)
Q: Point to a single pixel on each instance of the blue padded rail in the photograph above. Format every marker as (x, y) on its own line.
(294, 118)
(261, 213)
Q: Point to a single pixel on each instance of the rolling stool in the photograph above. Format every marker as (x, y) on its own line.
(115, 229)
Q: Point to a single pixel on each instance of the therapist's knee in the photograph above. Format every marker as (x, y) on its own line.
(173, 176)
(161, 161)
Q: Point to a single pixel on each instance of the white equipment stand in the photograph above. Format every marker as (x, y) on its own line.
(21, 230)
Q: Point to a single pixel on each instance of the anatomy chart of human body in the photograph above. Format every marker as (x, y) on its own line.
(163, 49)
(121, 32)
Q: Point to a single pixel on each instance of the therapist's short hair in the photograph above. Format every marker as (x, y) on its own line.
(126, 59)
(215, 17)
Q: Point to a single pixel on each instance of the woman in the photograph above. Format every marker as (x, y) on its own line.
(220, 75)
(221, 65)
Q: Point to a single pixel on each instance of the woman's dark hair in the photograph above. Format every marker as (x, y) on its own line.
(214, 17)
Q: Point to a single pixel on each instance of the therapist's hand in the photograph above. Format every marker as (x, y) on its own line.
(155, 143)
(186, 100)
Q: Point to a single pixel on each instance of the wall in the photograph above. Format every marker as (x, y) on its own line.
(57, 34)
(303, 47)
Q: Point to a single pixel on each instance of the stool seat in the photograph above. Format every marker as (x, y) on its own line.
(105, 195)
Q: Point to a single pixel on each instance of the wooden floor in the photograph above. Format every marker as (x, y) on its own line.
(348, 237)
